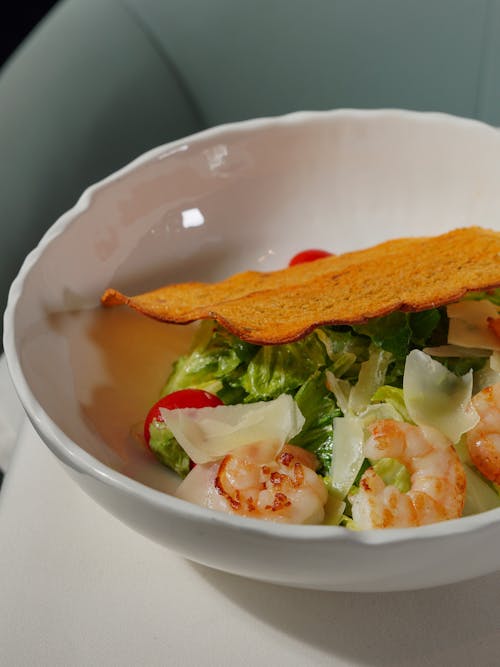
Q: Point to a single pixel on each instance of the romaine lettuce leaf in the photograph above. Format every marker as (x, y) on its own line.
(334, 509)
(399, 333)
(491, 295)
(167, 449)
(213, 362)
(282, 369)
(395, 397)
(480, 496)
(393, 473)
(424, 325)
(462, 365)
(345, 349)
(392, 333)
(318, 406)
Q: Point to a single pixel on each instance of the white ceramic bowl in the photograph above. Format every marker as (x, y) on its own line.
(237, 197)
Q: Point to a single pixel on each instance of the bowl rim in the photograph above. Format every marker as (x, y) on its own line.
(70, 453)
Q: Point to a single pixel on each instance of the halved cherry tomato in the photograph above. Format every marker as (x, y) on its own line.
(308, 256)
(184, 398)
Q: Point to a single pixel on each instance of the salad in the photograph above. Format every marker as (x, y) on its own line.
(390, 423)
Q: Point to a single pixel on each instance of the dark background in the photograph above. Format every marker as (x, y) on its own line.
(17, 21)
(15, 24)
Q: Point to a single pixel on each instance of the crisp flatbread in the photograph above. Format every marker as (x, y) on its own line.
(408, 274)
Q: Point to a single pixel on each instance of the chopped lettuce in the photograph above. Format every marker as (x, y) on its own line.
(345, 349)
(393, 396)
(393, 473)
(334, 508)
(491, 295)
(167, 449)
(424, 325)
(399, 333)
(282, 369)
(214, 364)
(392, 333)
(319, 408)
(462, 365)
(481, 494)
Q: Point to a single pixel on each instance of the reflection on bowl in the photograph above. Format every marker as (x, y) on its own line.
(243, 196)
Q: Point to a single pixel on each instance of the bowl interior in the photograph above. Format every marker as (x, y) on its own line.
(240, 197)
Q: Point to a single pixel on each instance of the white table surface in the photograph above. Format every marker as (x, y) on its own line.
(77, 587)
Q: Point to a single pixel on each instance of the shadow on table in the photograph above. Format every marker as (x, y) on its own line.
(451, 625)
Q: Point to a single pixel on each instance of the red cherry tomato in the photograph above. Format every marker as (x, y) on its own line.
(184, 398)
(308, 256)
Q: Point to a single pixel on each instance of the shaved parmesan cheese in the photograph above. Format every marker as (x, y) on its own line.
(371, 377)
(469, 324)
(456, 351)
(354, 400)
(348, 453)
(495, 362)
(349, 437)
(486, 376)
(434, 396)
(472, 311)
(341, 389)
(208, 434)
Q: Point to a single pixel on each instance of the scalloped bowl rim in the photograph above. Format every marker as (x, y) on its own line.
(77, 458)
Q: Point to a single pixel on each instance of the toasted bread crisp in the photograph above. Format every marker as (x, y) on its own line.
(409, 274)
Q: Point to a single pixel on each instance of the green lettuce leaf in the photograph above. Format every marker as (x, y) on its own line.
(392, 333)
(282, 369)
(491, 295)
(393, 473)
(214, 363)
(318, 406)
(395, 397)
(167, 449)
(345, 349)
(481, 495)
(423, 325)
(462, 365)
(399, 332)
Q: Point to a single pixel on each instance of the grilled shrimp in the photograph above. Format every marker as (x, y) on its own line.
(483, 441)
(438, 480)
(286, 489)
